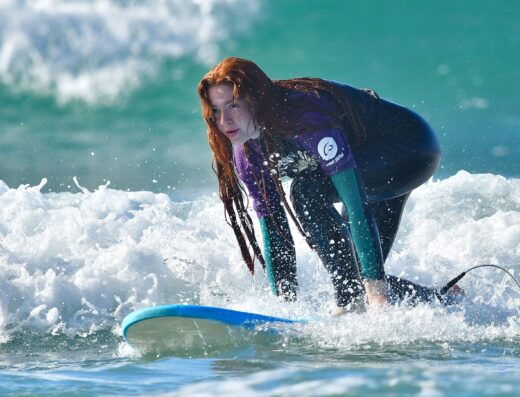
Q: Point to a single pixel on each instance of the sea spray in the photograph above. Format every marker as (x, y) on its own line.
(96, 51)
(79, 262)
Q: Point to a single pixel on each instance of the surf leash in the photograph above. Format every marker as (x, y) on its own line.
(455, 280)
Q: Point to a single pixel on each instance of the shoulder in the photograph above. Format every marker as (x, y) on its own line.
(309, 100)
(313, 111)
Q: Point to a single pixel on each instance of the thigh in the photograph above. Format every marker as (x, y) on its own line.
(313, 190)
(313, 197)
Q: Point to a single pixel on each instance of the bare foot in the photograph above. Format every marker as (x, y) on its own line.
(454, 295)
(457, 291)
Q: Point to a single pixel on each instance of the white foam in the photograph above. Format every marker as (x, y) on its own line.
(77, 263)
(97, 50)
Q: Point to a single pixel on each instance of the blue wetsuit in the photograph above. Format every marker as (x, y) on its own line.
(373, 181)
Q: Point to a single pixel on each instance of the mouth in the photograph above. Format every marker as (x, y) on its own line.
(232, 133)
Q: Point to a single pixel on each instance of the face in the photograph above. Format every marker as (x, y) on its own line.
(233, 117)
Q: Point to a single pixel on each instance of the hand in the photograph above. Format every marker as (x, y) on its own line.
(376, 294)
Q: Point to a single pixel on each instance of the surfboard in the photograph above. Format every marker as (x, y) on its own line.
(193, 330)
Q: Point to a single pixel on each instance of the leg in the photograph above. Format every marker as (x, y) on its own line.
(388, 215)
(313, 204)
(405, 290)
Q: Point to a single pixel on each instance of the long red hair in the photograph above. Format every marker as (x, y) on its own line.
(275, 111)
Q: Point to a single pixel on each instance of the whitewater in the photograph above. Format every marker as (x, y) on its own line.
(72, 265)
(78, 262)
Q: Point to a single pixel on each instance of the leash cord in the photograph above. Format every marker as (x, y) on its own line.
(454, 281)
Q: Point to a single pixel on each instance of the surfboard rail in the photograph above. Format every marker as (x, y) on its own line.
(209, 313)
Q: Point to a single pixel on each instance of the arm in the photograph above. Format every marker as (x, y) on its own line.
(331, 149)
(364, 233)
(279, 254)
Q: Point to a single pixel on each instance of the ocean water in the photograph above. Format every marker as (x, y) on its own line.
(108, 202)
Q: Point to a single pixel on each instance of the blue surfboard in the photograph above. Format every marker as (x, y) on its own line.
(192, 330)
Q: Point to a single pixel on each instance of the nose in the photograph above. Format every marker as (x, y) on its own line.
(224, 117)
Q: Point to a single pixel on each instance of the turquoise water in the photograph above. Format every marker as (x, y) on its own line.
(104, 91)
(109, 106)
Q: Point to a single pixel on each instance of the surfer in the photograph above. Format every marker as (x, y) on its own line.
(338, 144)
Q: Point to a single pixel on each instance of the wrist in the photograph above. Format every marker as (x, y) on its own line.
(375, 287)
(377, 293)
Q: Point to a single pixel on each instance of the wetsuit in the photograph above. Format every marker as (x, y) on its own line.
(373, 181)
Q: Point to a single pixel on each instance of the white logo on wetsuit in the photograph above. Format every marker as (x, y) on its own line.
(327, 148)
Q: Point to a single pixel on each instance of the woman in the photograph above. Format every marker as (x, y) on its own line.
(338, 144)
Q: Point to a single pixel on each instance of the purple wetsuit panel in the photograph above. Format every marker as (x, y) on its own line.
(327, 148)
(255, 175)
(330, 148)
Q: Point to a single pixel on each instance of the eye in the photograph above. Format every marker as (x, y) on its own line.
(214, 111)
(234, 105)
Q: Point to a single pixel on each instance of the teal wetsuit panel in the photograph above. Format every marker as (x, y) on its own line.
(362, 224)
(280, 254)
